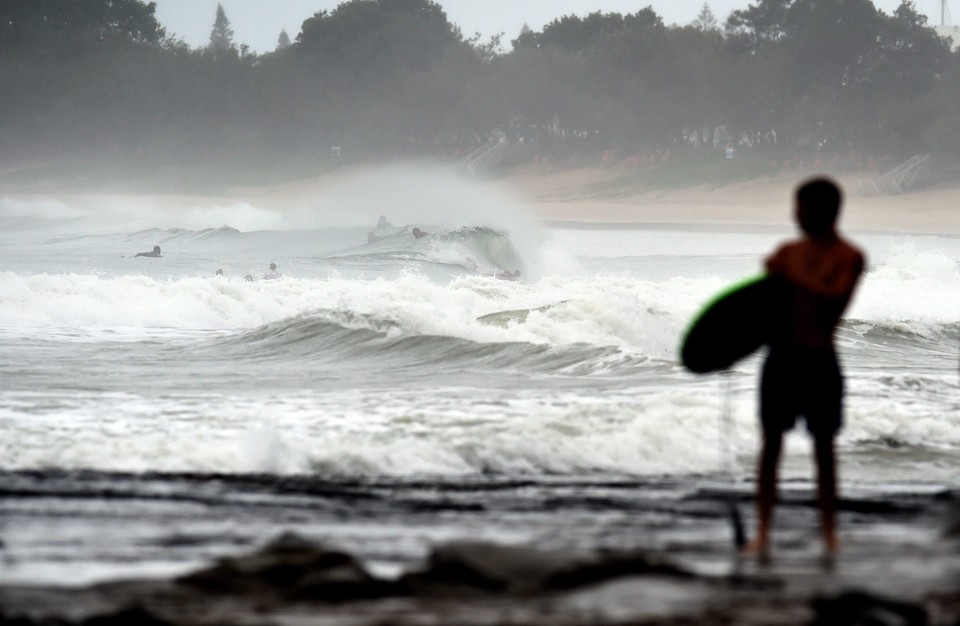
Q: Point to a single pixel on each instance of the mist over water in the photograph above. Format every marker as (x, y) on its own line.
(404, 356)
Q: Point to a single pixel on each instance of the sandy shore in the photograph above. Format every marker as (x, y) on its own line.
(566, 195)
(587, 195)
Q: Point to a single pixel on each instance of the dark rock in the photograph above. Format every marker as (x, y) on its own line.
(295, 569)
(494, 568)
(856, 608)
(126, 617)
(951, 528)
(607, 564)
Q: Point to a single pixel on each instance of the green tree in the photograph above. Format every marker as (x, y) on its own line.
(283, 42)
(575, 35)
(375, 38)
(221, 36)
(70, 27)
(706, 19)
(373, 66)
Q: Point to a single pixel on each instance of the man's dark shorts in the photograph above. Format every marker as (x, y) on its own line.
(801, 382)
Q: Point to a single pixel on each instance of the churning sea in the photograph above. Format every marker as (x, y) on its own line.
(389, 357)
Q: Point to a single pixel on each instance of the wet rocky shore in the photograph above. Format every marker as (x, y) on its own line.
(101, 548)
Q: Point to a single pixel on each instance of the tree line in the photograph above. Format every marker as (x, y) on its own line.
(380, 78)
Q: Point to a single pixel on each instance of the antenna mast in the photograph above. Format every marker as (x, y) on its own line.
(944, 13)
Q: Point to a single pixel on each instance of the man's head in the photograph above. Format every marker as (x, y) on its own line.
(817, 206)
(156, 249)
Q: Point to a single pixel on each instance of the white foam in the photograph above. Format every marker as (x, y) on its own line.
(911, 285)
(660, 432)
(605, 310)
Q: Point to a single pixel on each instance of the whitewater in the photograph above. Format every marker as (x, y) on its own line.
(380, 354)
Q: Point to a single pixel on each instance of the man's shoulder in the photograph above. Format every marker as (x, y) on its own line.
(851, 250)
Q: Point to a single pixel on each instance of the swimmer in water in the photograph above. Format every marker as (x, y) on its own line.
(155, 253)
(419, 234)
(507, 274)
(272, 273)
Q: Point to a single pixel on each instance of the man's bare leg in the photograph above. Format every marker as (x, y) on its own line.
(827, 491)
(766, 493)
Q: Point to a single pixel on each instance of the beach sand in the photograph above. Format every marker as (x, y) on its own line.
(591, 195)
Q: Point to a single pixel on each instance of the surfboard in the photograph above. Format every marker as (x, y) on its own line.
(734, 324)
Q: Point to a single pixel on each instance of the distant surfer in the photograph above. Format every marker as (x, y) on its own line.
(220, 272)
(381, 230)
(153, 253)
(419, 234)
(507, 274)
(801, 375)
(272, 273)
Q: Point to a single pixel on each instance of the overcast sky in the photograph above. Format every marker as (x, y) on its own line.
(258, 23)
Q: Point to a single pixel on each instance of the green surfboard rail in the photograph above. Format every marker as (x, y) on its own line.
(737, 286)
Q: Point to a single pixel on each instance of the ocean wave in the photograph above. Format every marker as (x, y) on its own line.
(168, 235)
(473, 250)
(341, 337)
(619, 311)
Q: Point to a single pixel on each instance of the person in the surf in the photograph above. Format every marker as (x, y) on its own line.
(507, 274)
(272, 273)
(381, 230)
(419, 234)
(153, 253)
(801, 375)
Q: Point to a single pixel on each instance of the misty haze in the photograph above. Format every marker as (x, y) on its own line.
(392, 324)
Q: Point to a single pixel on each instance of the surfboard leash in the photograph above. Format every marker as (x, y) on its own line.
(726, 453)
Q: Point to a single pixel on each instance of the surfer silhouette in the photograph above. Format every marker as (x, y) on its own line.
(154, 253)
(801, 375)
(419, 234)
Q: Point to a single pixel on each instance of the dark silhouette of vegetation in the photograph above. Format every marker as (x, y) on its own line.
(706, 20)
(382, 78)
(283, 41)
(221, 37)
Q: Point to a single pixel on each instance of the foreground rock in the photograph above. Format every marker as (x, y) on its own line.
(292, 580)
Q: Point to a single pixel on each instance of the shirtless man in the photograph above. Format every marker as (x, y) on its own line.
(801, 375)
